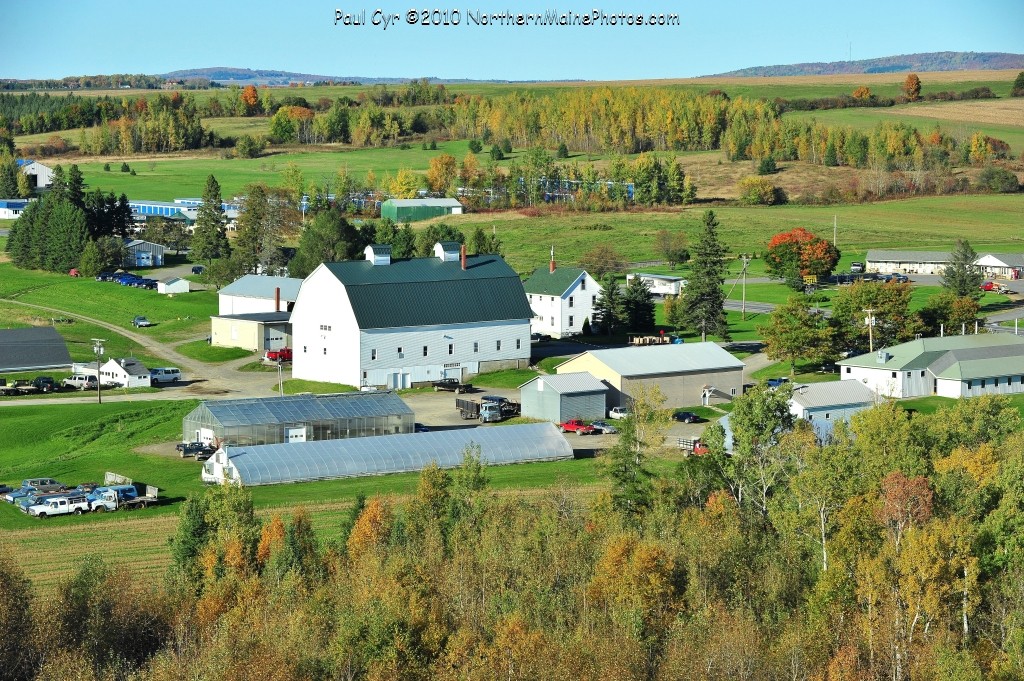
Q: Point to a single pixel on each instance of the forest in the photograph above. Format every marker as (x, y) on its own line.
(890, 551)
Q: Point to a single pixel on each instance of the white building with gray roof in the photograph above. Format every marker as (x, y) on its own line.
(992, 265)
(258, 293)
(561, 397)
(688, 374)
(822, 404)
(951, 366)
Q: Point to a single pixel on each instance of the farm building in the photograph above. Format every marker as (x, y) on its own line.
(297, 418)
(822, 404)
(328, 460)
(992, 265)
(140, 253)
(378, 322)
(258, 293)
(411, 210)
(562, 397)
(39, 176)
(171, 286)
(32, 348)
(951, 366)
(688, 374)
(255, 331)
(10, 209)
(660, 284)
(163, 209)
(126, 372)
(561, 299)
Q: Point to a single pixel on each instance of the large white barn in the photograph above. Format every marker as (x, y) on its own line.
(384, 323)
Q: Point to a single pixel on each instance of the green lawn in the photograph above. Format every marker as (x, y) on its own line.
(506, 378)
(173, 319)
(806, 372)
(294, 386)
(932, 403)
(204, 352)
(549, 364)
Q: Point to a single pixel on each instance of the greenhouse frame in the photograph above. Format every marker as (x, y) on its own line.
(327, 460)
(293, 419)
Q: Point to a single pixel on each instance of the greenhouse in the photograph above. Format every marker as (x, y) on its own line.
(279, 463)
(297, 418)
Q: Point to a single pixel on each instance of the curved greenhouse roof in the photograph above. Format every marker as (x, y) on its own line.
(298, 408)
(329, 459)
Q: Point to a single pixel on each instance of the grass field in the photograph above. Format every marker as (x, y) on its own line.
(177, 318)
(294, 386)
(806, 372)
(507, 378)
(204, 352)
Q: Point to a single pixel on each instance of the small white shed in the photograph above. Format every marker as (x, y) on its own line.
(175, 285)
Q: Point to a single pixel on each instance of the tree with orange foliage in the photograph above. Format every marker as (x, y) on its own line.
(251, 100)
(912, 87)
(371, 529)
(798, 253)
(862, 93)
(442, 172)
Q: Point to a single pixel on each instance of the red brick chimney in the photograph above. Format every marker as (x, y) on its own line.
(552, 265)
(277, 299)
(462, 255)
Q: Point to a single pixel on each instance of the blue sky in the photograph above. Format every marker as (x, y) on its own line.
(56, 38)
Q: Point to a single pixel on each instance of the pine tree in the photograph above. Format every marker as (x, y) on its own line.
(91, 263)
(961, 276)
(209, 239)
(703, 297)
(65, 238)
(8, 177)
(76, 186)
(638, 306)
(608, 307)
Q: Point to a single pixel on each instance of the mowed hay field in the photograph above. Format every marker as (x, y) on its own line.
(994, 112)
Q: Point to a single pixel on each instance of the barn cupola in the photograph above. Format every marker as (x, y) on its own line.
(447, 251)
(378, 254)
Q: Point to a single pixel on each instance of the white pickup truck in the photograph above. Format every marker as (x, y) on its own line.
(60, 506)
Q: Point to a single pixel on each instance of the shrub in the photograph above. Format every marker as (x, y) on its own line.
(563, 151)
(476, 146)
(124, 167)
(767, 166)
(506, 145)
(248, 146)
(132, 172)
(757, 191)
(496, 153)
(106, 167)
(998, 179)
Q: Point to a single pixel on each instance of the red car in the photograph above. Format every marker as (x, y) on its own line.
(577, 426)
(989, 286)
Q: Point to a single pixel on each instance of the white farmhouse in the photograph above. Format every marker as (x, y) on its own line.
(378, 322)
(127, 373)
(561, 298)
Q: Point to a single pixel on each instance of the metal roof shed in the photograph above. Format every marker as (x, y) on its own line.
(32, 348)
(298, 418)
(564, 396)
(411, 210)
(274, 464)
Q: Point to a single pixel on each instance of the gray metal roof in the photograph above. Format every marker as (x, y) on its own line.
(35, 347)
(654, 360)
(132, 366)
(259, 286)
(330, 459)
(303, 408)
(884, 255)
(832, 394)
(403, 203)
(568, 384)
(429, 291)
(926, 352)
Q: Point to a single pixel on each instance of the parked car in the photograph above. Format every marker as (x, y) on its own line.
(79, 382)
(577, 426)
(604, 428)
(44, 384)
(192, 448)
(539, 338)
(43, 485)
(686, 417)
(420, 428)
(856, 267)
(4, 489)
(279, 355)
(73, 272)
(105, 276)
(164, 375)
(140, 322)
(198, 269)
(776, 382)
(618, 412)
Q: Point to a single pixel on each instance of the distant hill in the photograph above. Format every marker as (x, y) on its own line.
(227, 75)
(925, 61)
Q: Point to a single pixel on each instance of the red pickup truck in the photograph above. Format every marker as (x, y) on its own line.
(577, 426)
(281, 355)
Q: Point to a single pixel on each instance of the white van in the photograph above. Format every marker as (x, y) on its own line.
(80, 382)
(164, 375)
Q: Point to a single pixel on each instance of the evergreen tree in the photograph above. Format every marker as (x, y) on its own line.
(76, 186)
(638, 306)
(209, 239)
(703, 297)
(8, 177)
(328, 237)
(91, 263)
(961, 276)
(121, 218)
(608, 307)
(65, 237)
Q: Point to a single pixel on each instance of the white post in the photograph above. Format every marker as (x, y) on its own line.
(975, 327)
(942, 330)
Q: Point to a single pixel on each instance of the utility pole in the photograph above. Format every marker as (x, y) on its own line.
(743, 295)
(870, 321)
(835, 231)
(97, 347)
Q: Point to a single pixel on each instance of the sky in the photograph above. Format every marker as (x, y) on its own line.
(56, 38)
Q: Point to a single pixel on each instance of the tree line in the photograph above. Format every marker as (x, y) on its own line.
(890, 550)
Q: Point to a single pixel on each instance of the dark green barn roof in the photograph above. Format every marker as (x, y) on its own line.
(549, 283)
(427, 291)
